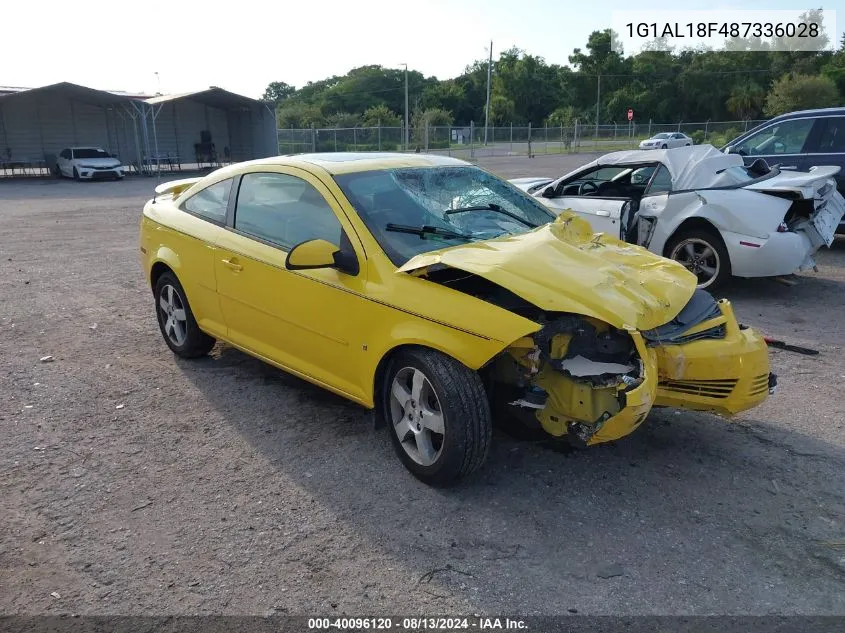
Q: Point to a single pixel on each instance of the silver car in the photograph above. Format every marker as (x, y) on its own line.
(666, 140)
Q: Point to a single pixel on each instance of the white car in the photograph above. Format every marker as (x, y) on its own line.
(666, 140)
(703, 208)
(88, 163)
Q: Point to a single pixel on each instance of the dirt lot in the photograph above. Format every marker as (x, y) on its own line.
(132, 482)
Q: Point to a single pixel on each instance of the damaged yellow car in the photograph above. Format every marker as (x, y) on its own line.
(441, 296)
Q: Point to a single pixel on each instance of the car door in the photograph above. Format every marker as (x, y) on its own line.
(783, 143)
(827, 147)
(581, 195)
(307, 321)
(63, 160)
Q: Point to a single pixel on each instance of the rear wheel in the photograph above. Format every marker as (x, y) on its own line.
(176, 321)
(75, 174)
(663, 146)
(703, 253)
(438, 414)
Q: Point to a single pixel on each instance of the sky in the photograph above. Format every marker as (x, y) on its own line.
(243, 46)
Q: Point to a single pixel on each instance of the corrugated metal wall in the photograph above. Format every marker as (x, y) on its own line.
(37, 126)
(34, 126)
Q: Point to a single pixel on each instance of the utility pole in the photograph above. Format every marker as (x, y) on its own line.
(406, 105)
(598, 101)
(487, 107)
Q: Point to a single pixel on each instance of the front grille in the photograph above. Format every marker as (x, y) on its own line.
(759, 385)
(707, 388)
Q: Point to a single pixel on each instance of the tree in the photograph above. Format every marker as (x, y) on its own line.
(278, 91)
(800, 92)
(380, 115)
(746, 100)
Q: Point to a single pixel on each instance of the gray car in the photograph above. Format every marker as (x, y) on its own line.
(798, 140)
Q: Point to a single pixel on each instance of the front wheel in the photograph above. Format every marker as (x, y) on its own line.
(176, 321)
(703, 253)
(438, 415)
(75, 174)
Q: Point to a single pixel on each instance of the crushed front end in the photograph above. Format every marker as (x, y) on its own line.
(592, 382)
(579, 377)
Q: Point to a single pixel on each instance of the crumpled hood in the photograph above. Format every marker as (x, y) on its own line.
(564, 267)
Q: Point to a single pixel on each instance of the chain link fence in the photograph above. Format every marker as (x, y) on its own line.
(471, 141)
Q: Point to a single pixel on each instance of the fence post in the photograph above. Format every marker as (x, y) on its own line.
(355, 137)
(706, 125)
(511, 137)
(575, 135)
(335, 138)
(614, 130)
(379, 135)
(425, 136)
(529, 139)
(649, 128)
(313, 139)
(471, 134)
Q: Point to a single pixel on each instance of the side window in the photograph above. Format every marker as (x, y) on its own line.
(787, 137)
(211, 202)
(65, 154)
(661, 183)
(284, 210)
(832, 137)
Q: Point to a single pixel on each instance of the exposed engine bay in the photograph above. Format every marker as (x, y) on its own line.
(571, 376)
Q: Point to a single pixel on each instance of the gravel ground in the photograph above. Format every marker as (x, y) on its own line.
(133, 482)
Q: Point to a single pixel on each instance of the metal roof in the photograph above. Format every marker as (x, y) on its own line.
(74, 91)
(213, 96)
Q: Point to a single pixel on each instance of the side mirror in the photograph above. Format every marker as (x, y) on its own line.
(312, 254)
(548, 192)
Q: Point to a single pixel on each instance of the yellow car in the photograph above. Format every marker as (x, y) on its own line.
(439, 295)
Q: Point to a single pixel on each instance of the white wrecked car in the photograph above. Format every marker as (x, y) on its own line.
(703, 208)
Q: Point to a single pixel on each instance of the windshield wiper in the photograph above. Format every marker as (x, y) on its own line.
(497, 209)
(426, 230)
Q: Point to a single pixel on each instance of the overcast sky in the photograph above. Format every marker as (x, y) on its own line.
(244, 45)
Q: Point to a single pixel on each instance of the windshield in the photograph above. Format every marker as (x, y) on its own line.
(446, 205)
(89, 153)
(662, 135)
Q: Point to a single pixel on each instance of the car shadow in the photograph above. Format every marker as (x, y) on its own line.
(679, 514)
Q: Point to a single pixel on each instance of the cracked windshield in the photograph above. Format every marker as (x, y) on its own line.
(416, 210)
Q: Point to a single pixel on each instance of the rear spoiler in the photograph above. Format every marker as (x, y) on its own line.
(175, 187)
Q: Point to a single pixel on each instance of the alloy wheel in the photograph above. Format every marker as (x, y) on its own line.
(416, 416)
(172, 315)
(699, 257)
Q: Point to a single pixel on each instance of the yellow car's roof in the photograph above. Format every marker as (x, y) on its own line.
(349, 162)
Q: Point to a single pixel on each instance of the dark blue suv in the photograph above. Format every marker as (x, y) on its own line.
(798, 140)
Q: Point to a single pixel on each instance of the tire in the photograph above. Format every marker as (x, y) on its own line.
(75, 174)
(452, 398)
(182, 336)
(57, 172)
(663, 146)
(699, 240)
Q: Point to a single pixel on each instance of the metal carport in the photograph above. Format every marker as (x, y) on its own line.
(185, 125)
(38, 123)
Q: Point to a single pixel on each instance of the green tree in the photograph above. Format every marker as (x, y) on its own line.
(380, 115)
(746, 100)
(800, 92)
(278, 91)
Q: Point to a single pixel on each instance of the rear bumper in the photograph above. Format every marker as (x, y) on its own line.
(724, 376)
(780, 254)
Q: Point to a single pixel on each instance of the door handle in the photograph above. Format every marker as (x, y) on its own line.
(232, 264)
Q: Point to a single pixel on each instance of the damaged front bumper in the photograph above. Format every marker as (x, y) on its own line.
(725, 375)
(594, 383)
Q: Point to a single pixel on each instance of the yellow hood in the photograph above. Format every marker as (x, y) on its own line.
(564, 267)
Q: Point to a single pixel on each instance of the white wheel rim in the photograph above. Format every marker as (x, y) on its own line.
(417, 416)
(174, 321)
(700, 258)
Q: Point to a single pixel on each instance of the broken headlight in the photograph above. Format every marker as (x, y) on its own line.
(700, 308)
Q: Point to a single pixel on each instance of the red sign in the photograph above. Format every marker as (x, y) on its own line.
(630, 114)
